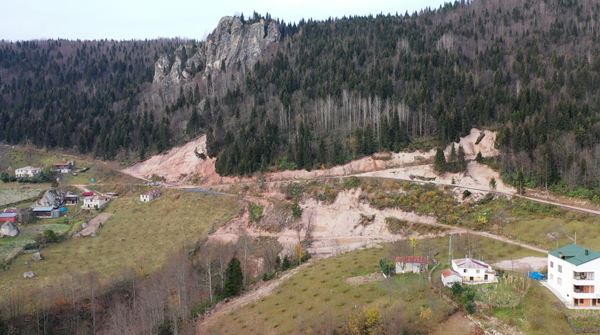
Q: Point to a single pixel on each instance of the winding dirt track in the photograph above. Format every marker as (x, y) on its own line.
(510, 194)
(264, 290)
(251, 296)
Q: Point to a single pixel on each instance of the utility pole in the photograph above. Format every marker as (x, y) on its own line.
(450, 249)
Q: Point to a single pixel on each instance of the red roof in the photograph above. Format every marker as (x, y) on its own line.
(449, 272)
(88, 194)
(412, 259)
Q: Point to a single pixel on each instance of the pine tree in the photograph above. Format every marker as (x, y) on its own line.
(520, 182)
(493, 183)
(234, 278)
(440, 161)
(286, 263)
(462, 162)
(193, 124)
(452, 158)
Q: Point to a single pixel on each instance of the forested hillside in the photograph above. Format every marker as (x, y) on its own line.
(80, 94)
(349, 87)
(331, 90)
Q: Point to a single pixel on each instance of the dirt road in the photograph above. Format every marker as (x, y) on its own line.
(93, 225)
(379, 174)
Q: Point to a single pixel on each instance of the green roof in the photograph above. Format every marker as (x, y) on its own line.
(575, 254)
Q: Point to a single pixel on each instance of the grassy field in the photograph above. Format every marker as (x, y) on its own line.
(11, 246)
(542, 225)
(319, 294)
(11, 193)
(539, 312)
(138, 236)
(103, 172)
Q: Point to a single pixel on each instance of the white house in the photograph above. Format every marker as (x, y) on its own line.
(414, 264)
(27, 172)
(66, 167)
(95, 202)
(574, 276)
(473, 271)
(150, 195)
(450, 277)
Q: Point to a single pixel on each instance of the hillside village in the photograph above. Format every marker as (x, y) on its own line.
(427, 247)
(428, 173)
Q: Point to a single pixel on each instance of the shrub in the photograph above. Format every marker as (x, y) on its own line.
(466, 194)
(286, 263)
(48, 236)
(351, 182)
(396, 226)
(294, 191)
(296, 211)
(203, 307)
(31, 246)
(369, 321)
(470, 307)
(256, 212)
(457, 289)
(269, 275)
(479, 158)
(165, 328)
(387, 267)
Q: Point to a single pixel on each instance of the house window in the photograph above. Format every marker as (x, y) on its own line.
(559, 280)
(550, 276)
(551, 264)
(465, 270)
(477, 271)
(559, 268)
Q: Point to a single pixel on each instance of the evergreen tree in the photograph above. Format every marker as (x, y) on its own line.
(520, 182)
(462, 162)
(234, 278)
(286, 263)
(452, 158)
(193, 124)
(479, 157)
(440, 161)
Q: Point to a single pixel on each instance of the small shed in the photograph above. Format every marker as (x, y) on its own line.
(46, 212)
(414, 264)
(71, 199)
(450, 277)
(150, 195)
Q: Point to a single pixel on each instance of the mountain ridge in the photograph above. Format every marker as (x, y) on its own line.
(325, 92)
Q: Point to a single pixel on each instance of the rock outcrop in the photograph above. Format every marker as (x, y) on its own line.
(232, 43)
(9, 229)
(51, 198)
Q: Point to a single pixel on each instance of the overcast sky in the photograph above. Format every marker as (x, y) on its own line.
(128, 19)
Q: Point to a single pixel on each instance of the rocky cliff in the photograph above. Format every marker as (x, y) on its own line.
(233, 42)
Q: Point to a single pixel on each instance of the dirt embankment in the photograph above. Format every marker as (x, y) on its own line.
(477, 176)
(182, 165)
(186, 164)
(332, 228)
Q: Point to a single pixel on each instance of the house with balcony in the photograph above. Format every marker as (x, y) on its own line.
(574, 276)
